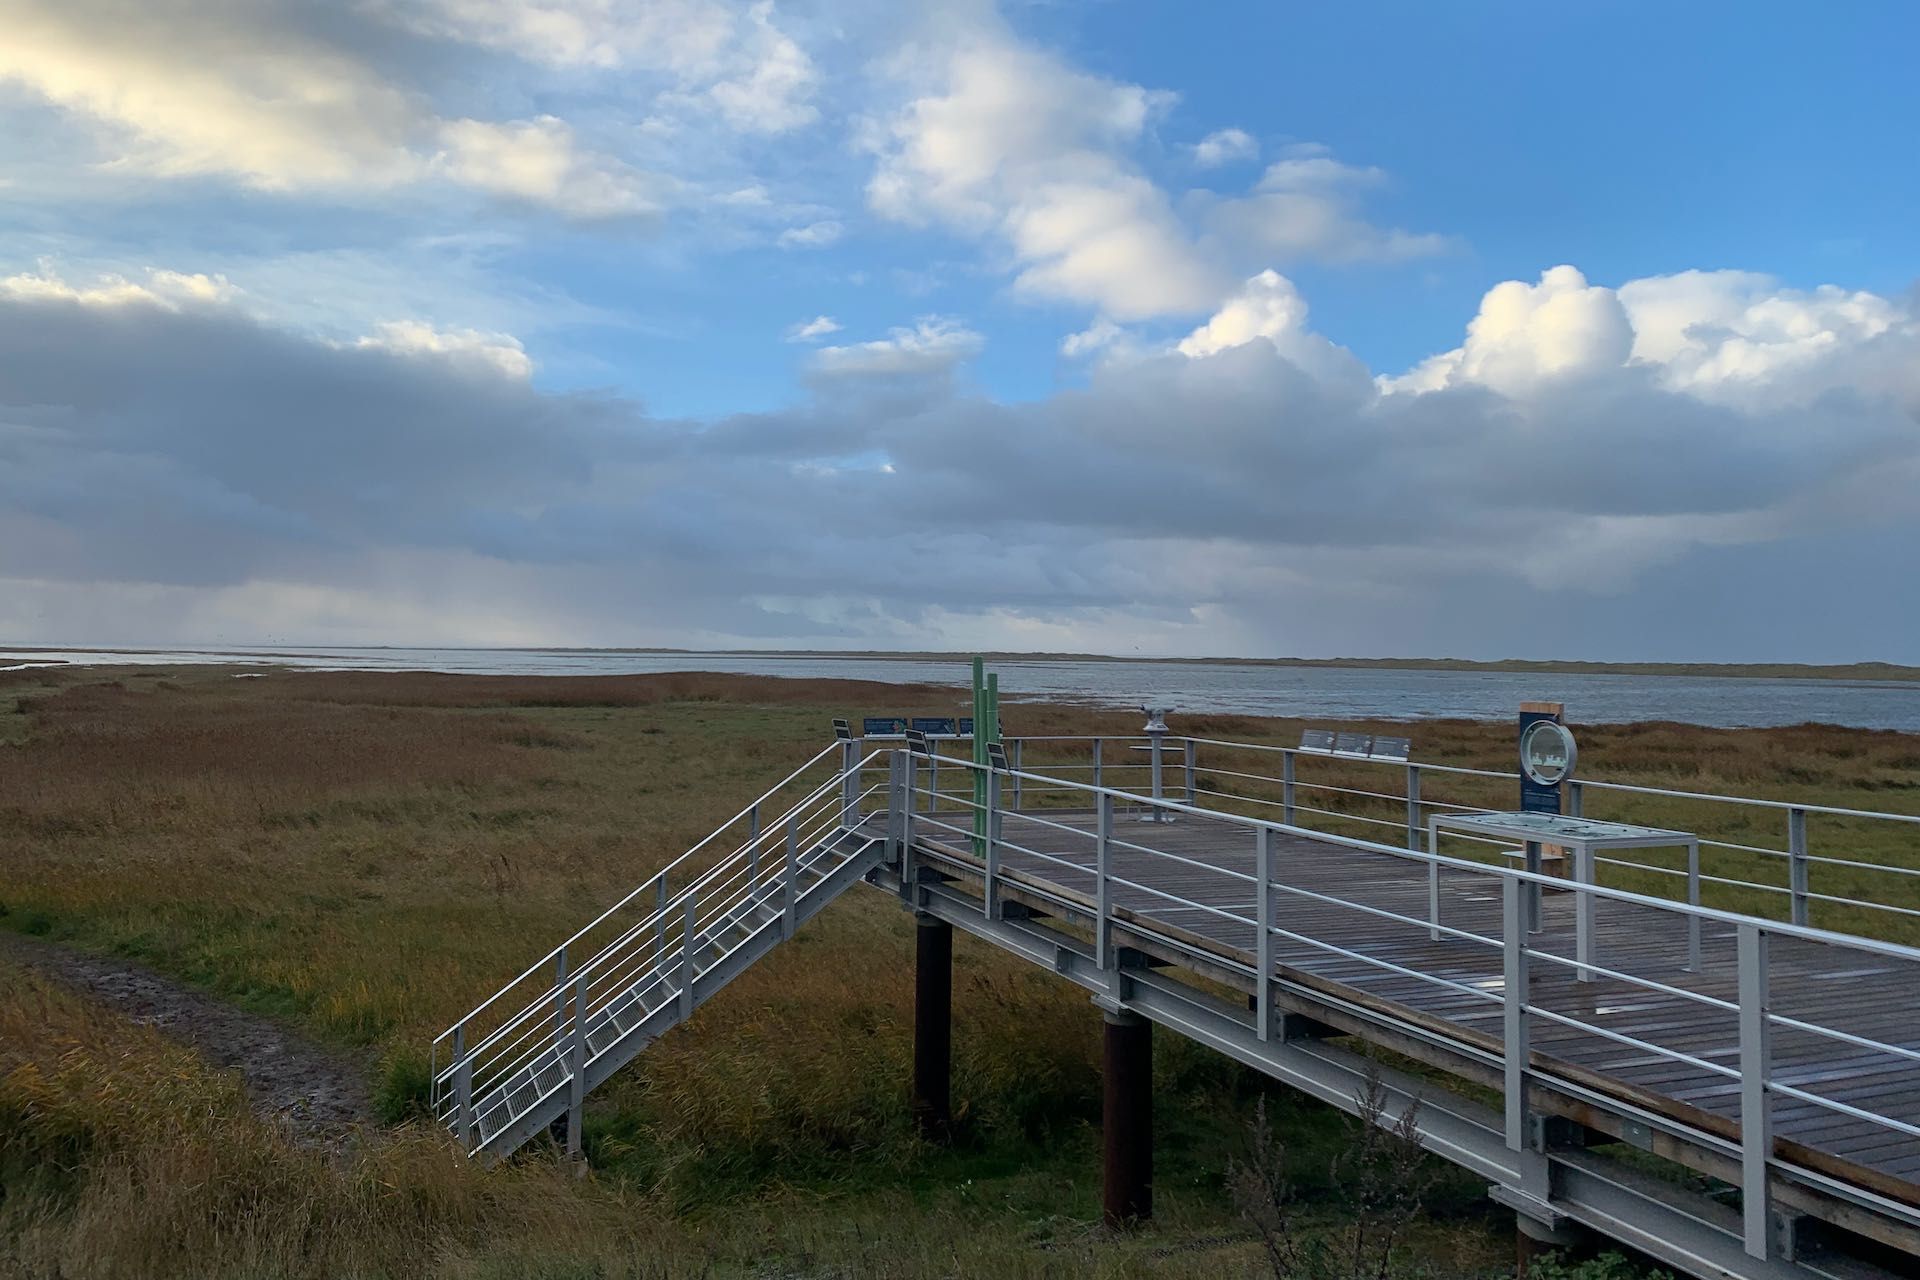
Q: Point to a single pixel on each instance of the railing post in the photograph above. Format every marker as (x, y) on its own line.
(753, 821)
(1287, 814)
(849, 784)
(1096, 762)
(790, 904)
(1433, 876)
(577, 1067)
(1413, 807)
(686, 960)
(1583, 911)
(1190, 753)
(1103, 890)
(560, 994)
(1158, 741)
(1576, 798)
(660, 916)
(463, 1086)
(1263, 921)
(1797, 863)
(912, 772)
(897, 804)
(1535, 893)
(1516, 989)
(1014, 760)
(1756, 1127)
(933, 777)
(990, 890)
(1693, 899)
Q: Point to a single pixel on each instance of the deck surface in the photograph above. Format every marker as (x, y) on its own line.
(1825, 985)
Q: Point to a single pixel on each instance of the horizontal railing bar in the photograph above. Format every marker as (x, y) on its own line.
(1633, 1042)
(1864, 866)
(1859, 902)
(1334, 813)
(1834, 1033)
(1208, 867)
(1845, 1109)
(1651, 984)
(1012, 814)
(1646, 866)
(1390, 966)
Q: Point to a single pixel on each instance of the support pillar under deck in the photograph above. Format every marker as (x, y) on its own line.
(932, 1026)
(1127, 1120)
(1533, 1239)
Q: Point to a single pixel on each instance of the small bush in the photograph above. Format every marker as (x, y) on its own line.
(404, 1090)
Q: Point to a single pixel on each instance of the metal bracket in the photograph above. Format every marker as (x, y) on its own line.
(1541, 1211)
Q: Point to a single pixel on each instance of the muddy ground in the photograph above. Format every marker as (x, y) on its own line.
(320, 1094)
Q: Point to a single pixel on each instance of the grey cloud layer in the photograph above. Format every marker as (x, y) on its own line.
(1227, 501)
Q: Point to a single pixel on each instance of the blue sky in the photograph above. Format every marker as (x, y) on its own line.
(1235, 328)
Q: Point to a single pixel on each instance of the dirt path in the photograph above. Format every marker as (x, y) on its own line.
(320, 1094)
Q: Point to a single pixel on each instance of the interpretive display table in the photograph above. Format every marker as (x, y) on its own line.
(1582, 837)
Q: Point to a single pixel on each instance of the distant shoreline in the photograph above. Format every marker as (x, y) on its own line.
(1886, 671)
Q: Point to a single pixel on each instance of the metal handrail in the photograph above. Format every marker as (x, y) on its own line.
(554, 954)
(505, 1049)
(1893, 950)
(613, 970)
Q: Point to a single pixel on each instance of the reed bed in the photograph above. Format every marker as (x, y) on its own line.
(367, 855)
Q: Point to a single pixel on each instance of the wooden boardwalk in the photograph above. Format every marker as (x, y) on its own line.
(1052, 852)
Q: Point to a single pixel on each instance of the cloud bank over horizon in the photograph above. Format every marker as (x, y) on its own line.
(330, 441)
(1198, 497)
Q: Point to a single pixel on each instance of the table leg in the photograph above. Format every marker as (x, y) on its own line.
(1583, 911)
(1533, 887)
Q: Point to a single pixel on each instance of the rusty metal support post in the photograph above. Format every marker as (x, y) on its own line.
(1126, 1117)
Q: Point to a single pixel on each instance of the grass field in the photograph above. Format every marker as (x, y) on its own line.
(367, 855)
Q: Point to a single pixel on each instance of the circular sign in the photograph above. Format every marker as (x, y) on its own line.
(1547, 753)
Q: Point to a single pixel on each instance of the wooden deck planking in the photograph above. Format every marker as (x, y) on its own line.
(1827, 986)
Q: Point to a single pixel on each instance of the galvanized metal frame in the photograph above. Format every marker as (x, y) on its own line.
(1676, 1227)
(1522, 1131)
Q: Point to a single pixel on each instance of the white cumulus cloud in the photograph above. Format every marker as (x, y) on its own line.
(501, 352)
(538, 161)
(1224, 146)
(808, 330)
(814, 235)
(932, 345)
(1001, 140)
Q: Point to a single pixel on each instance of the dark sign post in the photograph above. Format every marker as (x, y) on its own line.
(1539, 796)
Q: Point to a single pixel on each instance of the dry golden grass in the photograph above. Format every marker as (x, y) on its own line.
(122, 1157)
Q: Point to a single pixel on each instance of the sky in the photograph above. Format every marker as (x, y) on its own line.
(1586, 330)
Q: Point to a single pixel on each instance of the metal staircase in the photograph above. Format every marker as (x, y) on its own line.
(526, 1056)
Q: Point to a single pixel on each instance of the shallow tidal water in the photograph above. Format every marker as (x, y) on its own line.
(1323, 693)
